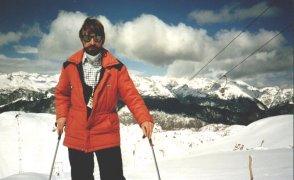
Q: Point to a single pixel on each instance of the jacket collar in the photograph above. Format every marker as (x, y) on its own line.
(107, 58)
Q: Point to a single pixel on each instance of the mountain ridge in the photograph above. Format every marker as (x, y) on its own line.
(234, 102)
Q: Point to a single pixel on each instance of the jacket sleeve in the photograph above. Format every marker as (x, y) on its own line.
(132, 98)
(62, 95)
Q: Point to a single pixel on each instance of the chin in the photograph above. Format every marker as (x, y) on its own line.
(92, 52)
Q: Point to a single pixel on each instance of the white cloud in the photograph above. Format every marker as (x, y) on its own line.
(9, 64)
(274, 58)
(26, 32)
(63, 39)
(4, 58)
(6, 38)
(280, 79)
(149, 39)
(145, 38)
(182, 69)
(32, 31)
(231, 13)
(183, 49)
(25, 49)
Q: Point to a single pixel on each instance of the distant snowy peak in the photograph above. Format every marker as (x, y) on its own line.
(164, 87)
(30, 81)
(272, 96)
(151, 87)
(203, 88)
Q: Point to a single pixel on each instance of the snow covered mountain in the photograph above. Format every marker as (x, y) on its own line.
(215, 151)
(233, 103)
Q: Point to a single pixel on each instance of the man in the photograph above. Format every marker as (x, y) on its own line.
(86, 96)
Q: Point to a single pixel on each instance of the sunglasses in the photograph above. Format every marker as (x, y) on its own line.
(87, 38)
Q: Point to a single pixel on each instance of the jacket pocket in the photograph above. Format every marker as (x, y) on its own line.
(76, 121)
(106, 123)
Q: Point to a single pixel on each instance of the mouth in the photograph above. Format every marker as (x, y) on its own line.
(92, 50)
(92, 47)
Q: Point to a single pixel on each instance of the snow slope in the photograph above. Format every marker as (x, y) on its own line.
(214, 152)
(228, 157)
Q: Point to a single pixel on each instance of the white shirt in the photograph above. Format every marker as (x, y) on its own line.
(91, 68)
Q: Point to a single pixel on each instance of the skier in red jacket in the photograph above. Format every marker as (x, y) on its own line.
(86, 96)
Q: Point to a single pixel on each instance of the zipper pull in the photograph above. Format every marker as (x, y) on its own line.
(90, 102)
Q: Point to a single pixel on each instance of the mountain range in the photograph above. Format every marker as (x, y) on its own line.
(173, 102)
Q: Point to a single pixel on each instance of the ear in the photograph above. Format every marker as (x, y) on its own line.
(81, 41)
(103, 40)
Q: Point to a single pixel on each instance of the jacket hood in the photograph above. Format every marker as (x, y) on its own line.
(107, 58)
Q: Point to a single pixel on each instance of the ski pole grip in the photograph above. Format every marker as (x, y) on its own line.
(59, 137)
(150, 140)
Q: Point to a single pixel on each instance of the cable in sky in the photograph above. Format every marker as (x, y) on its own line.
(246, 27)
(284, 29)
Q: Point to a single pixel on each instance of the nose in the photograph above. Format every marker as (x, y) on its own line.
(92, 42)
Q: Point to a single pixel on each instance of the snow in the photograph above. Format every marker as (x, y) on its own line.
(30, 176)
(163, 87)
(24, 80)
(217, 152)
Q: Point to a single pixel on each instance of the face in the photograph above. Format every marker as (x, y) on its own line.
(92, 43)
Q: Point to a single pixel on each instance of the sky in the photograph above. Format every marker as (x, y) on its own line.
(169, 38)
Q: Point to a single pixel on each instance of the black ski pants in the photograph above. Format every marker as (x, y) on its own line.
(109, 161)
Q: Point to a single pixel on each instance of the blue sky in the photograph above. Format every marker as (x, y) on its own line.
(156, 37)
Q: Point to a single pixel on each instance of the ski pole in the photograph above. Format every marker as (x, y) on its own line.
(151, 145)
(52, 166)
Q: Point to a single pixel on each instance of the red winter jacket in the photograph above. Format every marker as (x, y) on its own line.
(101, 129)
